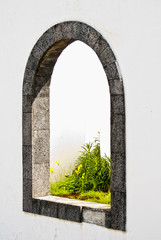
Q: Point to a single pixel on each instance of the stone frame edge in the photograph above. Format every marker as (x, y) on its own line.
(73, 30)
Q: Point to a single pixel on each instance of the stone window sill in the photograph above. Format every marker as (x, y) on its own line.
(72, 210)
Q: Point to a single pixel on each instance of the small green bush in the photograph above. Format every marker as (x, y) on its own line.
(92, 172)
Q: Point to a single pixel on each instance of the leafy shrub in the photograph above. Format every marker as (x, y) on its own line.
(92, 172)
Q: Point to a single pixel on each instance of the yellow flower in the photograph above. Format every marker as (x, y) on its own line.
(79, 167)
(51, 170)
(83, 175)
(57, 161)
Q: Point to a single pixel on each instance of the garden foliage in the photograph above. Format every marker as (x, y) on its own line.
(92, 172)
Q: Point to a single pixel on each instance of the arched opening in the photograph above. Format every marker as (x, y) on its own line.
(36, 126)
(79, 107)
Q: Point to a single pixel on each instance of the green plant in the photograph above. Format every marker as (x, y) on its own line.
(90, 196)
(96, 196)
(93, 169)
(92, 173)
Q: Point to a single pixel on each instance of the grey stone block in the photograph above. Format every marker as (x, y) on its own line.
(108, 219)
(57, 32)
(93, 36)
(100, 45)
(73, 213)
(35, 206)
(27, 195)
(27, 103)
(117, 104)
(62, 211)
(32, 63)
(106, 56)
(46, 40)
(118, 133)
(37, 52)
(118, 211)
(48, 208)
(41, 179)
(118, 174)
(28, 88)
(27, 162)
(41, 113)
(111, 71)
(41, 146)
(28, 76)
(27, 129)
(62, 31)
(80, 31)
(75, 31)
(69, 212)
(93, 216)
(116, 87)
(67, 30)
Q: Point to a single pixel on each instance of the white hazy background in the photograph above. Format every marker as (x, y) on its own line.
(79, 106)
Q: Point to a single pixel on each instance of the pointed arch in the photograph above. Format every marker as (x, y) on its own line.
(36, 127)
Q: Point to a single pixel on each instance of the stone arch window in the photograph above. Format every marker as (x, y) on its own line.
(36, 129)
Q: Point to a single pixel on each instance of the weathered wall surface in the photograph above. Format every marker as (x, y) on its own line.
(133, 30)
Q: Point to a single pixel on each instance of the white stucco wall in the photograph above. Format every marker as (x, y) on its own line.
(133, 29)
